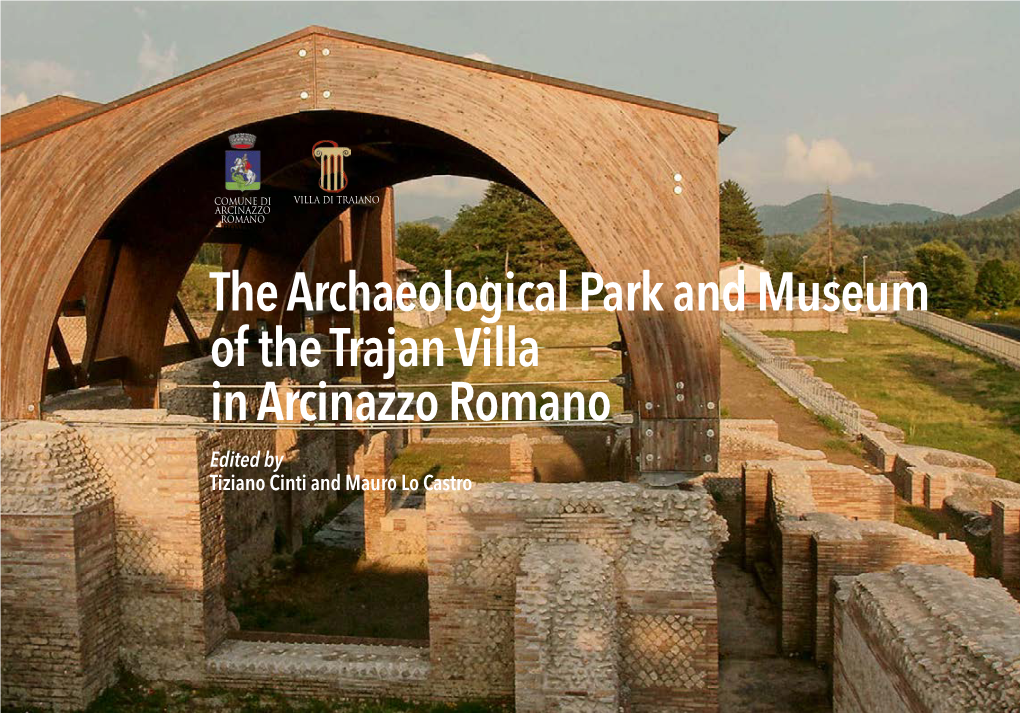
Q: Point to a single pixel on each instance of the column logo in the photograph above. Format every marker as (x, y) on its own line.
(330, 156)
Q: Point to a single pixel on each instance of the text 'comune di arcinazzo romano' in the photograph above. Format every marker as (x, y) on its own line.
(489, 345)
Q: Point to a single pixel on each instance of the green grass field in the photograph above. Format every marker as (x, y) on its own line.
(939, 394)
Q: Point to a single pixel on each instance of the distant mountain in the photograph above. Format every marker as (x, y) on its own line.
(437, 221)
(801, 216)
(1009, 203)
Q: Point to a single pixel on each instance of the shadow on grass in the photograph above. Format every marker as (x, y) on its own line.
(330, 591)
(991, 386)
(134, 695)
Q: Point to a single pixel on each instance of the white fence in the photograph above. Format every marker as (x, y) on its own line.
(1002, 349)
(813, 393)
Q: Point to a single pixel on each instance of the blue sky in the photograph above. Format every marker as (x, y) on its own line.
(886, 102)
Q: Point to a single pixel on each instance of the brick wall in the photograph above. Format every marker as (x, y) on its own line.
(566, 591)
(662, 544)
(1006, 540)
(374, 460)
(922, 638)
(171, 553)
(60, 609)
(522, 466)
(809, 546)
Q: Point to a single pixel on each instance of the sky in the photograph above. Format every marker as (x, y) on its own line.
(884, 102)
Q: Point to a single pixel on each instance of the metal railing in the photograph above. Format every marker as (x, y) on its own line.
(1002, 349)
(813, 393)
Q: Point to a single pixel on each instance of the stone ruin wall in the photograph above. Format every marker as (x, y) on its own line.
(651, 550)
(924, 639)
(964, 486)
(137, 562)
(789, 320)
(818, 521)
(260, 524)
(134, 555)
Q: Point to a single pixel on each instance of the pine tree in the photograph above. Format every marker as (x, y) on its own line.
(740, 234)
(509, 230)
(833, 254)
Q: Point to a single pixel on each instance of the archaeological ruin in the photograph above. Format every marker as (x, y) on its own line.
(548, 592)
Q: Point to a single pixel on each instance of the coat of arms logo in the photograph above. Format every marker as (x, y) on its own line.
(243, 165)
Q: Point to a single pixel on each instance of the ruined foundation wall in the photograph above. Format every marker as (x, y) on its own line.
(809, 547)
(260, 524)
(171, 562)
(1005, 537)
(662, 544)
(923, 638)
(60, 609)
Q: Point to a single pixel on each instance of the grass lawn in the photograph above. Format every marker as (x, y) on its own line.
(548, 330)
(939, 394)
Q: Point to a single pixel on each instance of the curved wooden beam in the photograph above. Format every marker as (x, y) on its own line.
(603, 163)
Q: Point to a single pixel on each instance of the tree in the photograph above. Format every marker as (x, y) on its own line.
(740, 234)
(834, 251)
(948, 275)
(509, 230)
(998, 284)
(782, 259)
(421, 245)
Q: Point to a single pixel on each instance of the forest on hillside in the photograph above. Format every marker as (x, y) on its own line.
(891, 247)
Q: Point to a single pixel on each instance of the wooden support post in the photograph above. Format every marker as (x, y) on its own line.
(333, 261)
(105, 286)
(377, 250)
(59, 347)
(221, 316)
(189, 330)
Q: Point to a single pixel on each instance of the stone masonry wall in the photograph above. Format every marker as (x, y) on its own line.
(927, 639)
(60, 609)
(171, 553)
(260, 523)
(662, 544)
(808, 547)
(566, 647)
(1006, 541)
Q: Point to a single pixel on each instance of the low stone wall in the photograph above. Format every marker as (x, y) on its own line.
(785, 320)
(924, 639)
(420, 318)
(661, 544)
(154, 602)
(822, 521)
(1005, 537)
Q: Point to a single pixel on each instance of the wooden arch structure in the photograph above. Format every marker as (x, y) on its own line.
(139, 175)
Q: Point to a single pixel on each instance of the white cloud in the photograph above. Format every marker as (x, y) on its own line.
(10, 102)
(140, 12)
(444, 187)
(155, 66)
(39, 79)
(825, 161)
(479, 57)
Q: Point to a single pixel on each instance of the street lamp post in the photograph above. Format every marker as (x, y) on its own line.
(864, 279)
